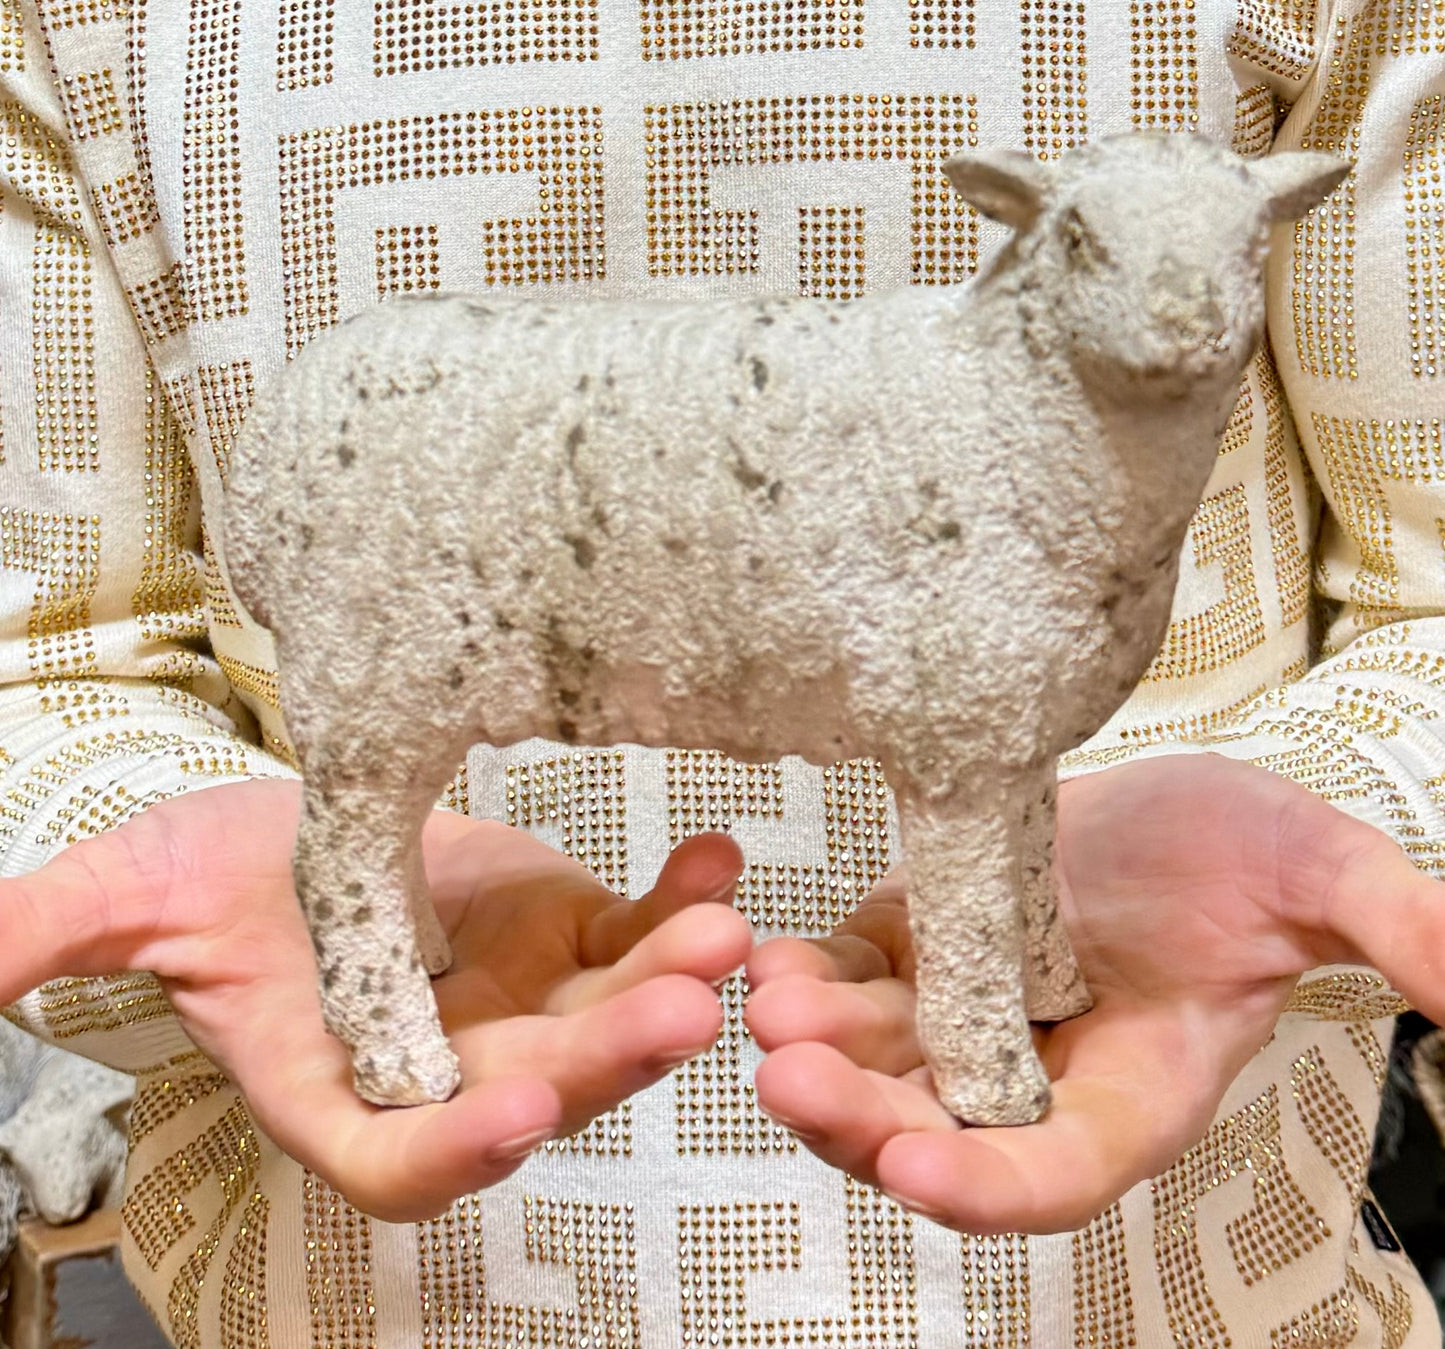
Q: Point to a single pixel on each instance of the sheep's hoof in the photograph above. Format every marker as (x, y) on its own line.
(1021, 1095)
(396, 1074)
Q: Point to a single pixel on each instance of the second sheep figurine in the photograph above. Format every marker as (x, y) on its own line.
(939, 527)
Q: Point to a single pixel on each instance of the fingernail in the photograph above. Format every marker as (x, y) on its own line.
(797, 1130)
(914, 1206)
(521, 1146)
(665, 1063)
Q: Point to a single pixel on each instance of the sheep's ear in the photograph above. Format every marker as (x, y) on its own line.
(1298, 179)
(1006, 185)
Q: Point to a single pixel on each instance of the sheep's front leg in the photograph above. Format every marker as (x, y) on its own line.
(359, 875)
(966, 915)
(1054, 990)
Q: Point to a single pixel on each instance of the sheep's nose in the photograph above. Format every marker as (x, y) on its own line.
(1185, 298)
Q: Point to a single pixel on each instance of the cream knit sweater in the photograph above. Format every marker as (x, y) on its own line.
(191, 189)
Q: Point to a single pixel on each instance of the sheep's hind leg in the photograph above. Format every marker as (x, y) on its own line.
(968, 930)
(360, 879)
(1054, 990)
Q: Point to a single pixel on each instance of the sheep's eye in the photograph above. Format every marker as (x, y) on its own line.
(1082, 247)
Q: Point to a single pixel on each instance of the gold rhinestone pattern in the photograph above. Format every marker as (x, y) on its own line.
(156, 1214)
(126, 209)
(1393, 1311)
(721, 1244)
(66, 417)
(1367, 1045)
(452, 1276)
(1234, 625)
(37, 167)
(942, 23)
(1323, 287)
(96, 810)
(162, 304)
(561, 241)
(597, 1245)
(408, 258)
(1276, 36)
(211, 162)
(232, 1157)
(1248, 1140)
(253, 679)
(706, 790)
(1332, 1323)
(1164, 64)
(167, 601)
(1055, 75)
(243, 1294)
(688, 236)
(1254, 113)
(12, 40)
(62, 552)
(305, 44)
(673, 31)
(1291, 557)
(1425, 235)
(220, 607)
(457, 794)
(418, 35)
(583, 796)
(72, 1007)
(1241, 421)
(160, 1097)
(1331, 1121)
(227, 392)
(830, 251)
(996, 1291)
(1103, 1304)
(717, 1105)
(340, 1291)
(91, 105)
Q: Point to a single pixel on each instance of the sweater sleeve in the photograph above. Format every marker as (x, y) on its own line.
(1310, 638)
(109, 698)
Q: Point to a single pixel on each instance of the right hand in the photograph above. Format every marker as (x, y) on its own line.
(562, 999)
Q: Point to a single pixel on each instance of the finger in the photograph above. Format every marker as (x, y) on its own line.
(1382, 911)
(401, 1165)
(701, 869)
(706, 941)
(872, 1024)
(606, 1053)
(842, 1113)
(120, 900)
(787, 957)
(1133, 1097)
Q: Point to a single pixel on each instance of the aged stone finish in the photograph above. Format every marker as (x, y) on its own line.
(62, 1132)
(939, 526)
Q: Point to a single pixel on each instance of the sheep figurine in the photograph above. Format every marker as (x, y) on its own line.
(939, 527)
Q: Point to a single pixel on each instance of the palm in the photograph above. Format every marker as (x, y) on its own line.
(561, 1000)
(1196, 890)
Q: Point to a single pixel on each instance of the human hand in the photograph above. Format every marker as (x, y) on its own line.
(1196, 889)
(561, 999)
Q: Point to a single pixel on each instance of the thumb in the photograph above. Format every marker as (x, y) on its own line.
(113, 902)
(1367, 902)
(81, 913)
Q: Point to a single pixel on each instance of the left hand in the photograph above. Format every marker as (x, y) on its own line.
(561, 999)
(1196, 890)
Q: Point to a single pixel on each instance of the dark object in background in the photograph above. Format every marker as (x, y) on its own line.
(1407, 1174)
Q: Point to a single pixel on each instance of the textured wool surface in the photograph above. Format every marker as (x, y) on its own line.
(729, 524)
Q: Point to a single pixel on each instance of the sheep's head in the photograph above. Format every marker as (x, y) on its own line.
(1145, 253)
